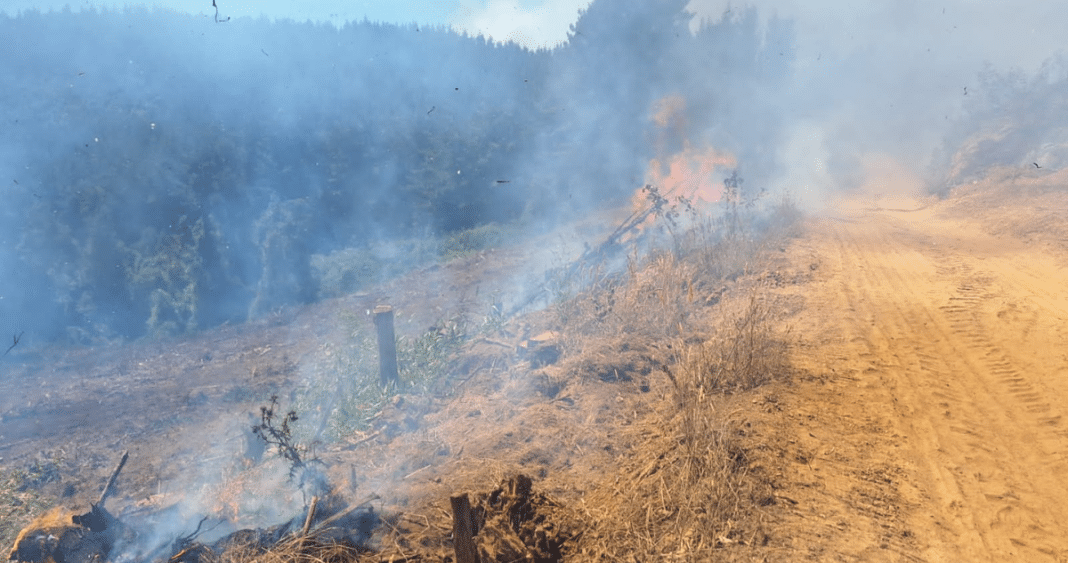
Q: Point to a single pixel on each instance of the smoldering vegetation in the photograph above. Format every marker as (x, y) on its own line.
(171, 174)
(166, 173)
(665, 351)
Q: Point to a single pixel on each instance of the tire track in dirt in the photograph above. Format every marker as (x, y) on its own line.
(884, 320)
(978, 456)
(950, 337)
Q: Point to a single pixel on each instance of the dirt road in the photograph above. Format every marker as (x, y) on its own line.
(932, 428)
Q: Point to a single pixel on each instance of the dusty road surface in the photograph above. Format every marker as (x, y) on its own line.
(932, 426)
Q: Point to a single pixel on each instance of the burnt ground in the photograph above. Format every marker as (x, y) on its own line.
(525, 395)
(919, 414)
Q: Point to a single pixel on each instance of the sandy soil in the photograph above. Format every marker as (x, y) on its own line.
(931, 424)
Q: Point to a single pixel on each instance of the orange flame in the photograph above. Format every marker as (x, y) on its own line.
(680, 169)
(689, 174)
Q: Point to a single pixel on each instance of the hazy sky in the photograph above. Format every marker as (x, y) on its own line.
(536, 23)
(1009, 33)
(1006, 33)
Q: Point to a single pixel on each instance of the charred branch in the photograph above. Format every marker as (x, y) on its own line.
(657, 204)
(110, 487)
(280, 436)
(16, 339)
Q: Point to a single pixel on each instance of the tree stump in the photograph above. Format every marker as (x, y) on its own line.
(463, 533)
(387, 346)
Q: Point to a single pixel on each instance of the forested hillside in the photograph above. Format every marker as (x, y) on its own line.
(166, 172)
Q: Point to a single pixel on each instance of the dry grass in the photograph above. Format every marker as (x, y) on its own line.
(655, 300)
(693, 492)
(21, 497)
(664, 293)
(293, 549)
(692, 496)
(688, 486)
(742, 354)
(691, 489)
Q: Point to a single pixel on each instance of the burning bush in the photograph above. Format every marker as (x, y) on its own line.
(694, 488)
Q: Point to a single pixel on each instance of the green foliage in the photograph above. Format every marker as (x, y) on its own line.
(469, 241)
(280, 236)
(351, 269)
(422, 361)
(495, 318)
(167, 266)
(343, 390)
(159, 209)
(1010, 119)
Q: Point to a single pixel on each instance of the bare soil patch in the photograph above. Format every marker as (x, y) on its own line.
(928, 423)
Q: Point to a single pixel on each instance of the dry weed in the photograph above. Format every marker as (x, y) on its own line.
(743, 354)
(692, 491)
(654, 300)
(294, 549)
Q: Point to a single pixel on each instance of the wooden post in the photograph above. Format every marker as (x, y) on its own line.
(463, 533)
(387, 345)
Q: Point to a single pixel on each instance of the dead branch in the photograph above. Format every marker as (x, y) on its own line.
(307, 523)
(367, 438)
(599, 252)
(344, 513)
(109, 488)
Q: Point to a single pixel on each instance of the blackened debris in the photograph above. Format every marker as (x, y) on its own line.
(16, 339)
(217, 13)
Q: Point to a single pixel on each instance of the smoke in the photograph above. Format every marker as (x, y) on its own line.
(534, 26)
(166, 173)
(218, 495)
(895, 78)
(172, 173)
(163, 174)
